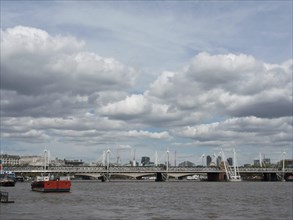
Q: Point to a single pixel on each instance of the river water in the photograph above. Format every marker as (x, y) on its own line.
(153, 200)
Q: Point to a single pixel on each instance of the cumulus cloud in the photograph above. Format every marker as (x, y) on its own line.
(243, 131)
(147, 134)
(134, 105)
(39, 71)
(52, 89)
(34, 62)
(229, 85)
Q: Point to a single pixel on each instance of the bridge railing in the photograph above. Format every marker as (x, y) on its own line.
(97, 169)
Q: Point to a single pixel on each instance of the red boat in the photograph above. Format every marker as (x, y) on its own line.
(51, 184)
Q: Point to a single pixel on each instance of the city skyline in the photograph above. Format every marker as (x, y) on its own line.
(122, 157)
(192, 77)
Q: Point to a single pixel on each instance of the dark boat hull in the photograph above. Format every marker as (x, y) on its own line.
(7, 183)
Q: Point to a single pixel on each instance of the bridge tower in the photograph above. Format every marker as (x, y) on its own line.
(106, 175)
(163, 176)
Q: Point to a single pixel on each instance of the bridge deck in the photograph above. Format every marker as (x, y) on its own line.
(139, 170)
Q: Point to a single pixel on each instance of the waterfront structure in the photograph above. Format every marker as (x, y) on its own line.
(287, 163)
(73, 162)
(31, 160)
(10, 160)
(186, 164)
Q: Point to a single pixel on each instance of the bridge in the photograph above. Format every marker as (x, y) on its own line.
(160, 173)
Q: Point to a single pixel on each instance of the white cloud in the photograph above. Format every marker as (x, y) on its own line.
(28, 40)
(133, 105)
(241, 131)
(39, 70)
(35, 62)
(229, 85)
(53, 90)
(220, 69)
(147, 134)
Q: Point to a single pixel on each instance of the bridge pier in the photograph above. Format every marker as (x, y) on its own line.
(216, 176)
(270, 177)
(213, 176)
(105, 177)
(161, 177)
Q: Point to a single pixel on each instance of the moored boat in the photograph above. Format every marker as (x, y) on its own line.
(6, 180)
(49, 183)
(290, 178)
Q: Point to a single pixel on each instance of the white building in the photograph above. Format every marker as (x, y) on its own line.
(31, 160)
(11, 160)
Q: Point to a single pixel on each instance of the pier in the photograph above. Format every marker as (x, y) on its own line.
(4, 197)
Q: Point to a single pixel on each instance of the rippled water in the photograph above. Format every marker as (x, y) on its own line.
(153, 200)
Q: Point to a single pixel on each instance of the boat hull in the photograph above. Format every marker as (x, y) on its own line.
(235, 180)
(7, 183)
(290, 179)
(51, 186)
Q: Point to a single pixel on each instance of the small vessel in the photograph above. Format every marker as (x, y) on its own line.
(7, 179)
(50, 183)
(19, 179)
(290, 178)
(193, 177)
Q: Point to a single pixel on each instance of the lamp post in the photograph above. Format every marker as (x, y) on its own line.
(45, 159)
(167, 167)
(107, 178)
(283, 167)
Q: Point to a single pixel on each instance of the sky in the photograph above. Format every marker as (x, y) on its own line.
(140, 77)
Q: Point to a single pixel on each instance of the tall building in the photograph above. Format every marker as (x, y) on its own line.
(230, 161)
(145, 160)
(219, 159)
(209, 160)
(9, 159)
(264, 162)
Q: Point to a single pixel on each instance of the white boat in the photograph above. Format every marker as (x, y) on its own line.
(232, 174)
(193, 177)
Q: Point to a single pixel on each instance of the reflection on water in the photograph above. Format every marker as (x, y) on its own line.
(153, 200)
